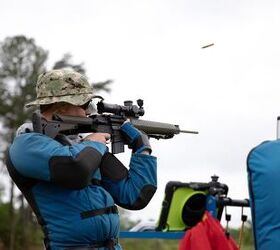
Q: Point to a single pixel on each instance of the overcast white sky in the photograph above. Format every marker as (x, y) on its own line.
(152, 50)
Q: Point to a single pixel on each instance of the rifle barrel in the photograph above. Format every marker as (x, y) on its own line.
(188, 131)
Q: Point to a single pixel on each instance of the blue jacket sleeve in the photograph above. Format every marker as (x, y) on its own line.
(38, 156)
(132, 189)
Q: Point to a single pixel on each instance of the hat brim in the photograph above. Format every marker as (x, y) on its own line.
(76, 100)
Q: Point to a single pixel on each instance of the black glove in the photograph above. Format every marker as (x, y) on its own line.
(135, 139)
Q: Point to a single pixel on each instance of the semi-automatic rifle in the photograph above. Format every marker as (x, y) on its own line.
(108, 119)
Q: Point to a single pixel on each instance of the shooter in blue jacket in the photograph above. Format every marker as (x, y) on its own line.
(73, 184)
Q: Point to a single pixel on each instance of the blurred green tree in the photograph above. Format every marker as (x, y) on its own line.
(21, 60)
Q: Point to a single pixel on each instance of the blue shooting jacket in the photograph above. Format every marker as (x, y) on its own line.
(73, 189)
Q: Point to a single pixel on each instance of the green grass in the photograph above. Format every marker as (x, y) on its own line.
(148, 244)
(152, 244)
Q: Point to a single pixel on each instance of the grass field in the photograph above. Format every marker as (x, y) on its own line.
(140, 244)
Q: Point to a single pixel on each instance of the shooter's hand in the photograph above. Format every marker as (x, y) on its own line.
(137, 140)
(99, 137)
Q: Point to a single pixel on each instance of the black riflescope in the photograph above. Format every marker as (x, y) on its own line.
(128, 109)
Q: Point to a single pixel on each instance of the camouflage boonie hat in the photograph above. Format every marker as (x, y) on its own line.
(62, 85)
